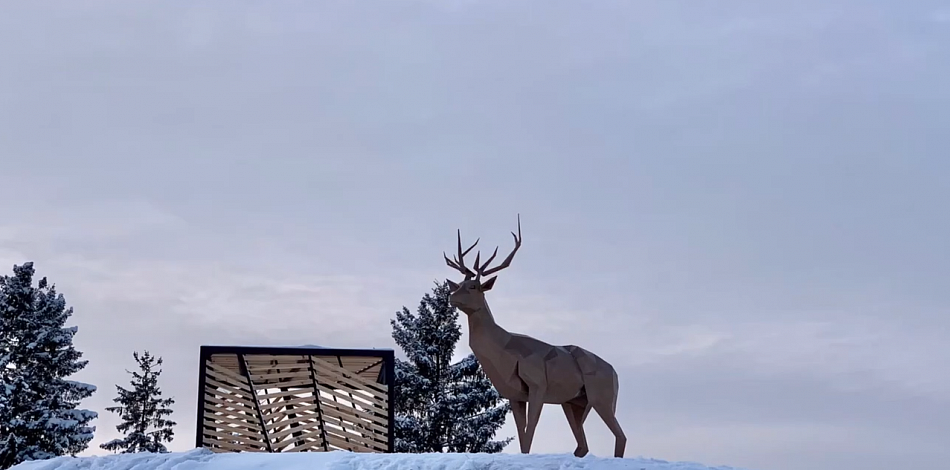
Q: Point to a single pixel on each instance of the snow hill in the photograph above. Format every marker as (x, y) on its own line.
(203, 459)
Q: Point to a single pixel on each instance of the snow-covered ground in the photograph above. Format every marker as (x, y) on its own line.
(201, 459)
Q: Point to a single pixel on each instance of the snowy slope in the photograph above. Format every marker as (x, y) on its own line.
(201, 459)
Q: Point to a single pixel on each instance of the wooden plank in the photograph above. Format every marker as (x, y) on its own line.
(347, 414)
(367, 394)
(367, 438)
(303, 427)
(271, 384)
(227, 447)
(274, 373)
(218, 427)
(286, 423)
(343, 396)
(366, 401)
(282, 446)
(307, 417)
(257, 403)
(232, 447)
(226, 419)
(358, 428)
(341, 371)
(268, 367)
(353, 400)
(225, 427)
(273, 357)
(356, 414)
(352, 446)
(283, 404)
(288, 445)
(369, 366)
(223, 420)
(227, 399)
(288, 393)
(337, 394)
(371, 374)
(219, 378)
(213, 395)
(231, 389)
(222, 406)
(276, 414)
(281, 370)
(359, 359)
(251, 438)
(241, 435)
(283, 421)
(302, 382)
(235, 417)
(306, 446)
(227, 372)
(348, 442)
(276, 362)
(295, 436)
(345, 379)
(350, 411)
(225, 359)
(339, 407)
(358, 367)
(286, 364)
(296, 374)
(326, 428)
(297, 433)
(317, 401)
(329, 411)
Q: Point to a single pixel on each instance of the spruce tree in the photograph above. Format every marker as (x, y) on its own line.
(441, 406)
(39, 414)
(142, 409)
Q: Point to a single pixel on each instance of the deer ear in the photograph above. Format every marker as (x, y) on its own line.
(452, 285)
(487, 285)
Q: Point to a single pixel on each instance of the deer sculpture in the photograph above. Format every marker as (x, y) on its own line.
(529, 372)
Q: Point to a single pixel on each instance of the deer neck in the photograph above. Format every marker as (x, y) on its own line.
(483, 332)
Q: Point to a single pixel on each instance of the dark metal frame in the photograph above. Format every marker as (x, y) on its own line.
(387, 374)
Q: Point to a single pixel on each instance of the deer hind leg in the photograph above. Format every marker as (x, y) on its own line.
(576, 413)
(603, 398)
(607, 414)
(602, 386)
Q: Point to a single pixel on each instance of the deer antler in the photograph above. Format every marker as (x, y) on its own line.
(459, 262)
(504, 264)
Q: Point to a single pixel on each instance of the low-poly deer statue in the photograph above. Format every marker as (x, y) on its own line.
(529, 372)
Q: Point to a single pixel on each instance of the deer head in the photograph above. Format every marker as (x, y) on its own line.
(469, 295)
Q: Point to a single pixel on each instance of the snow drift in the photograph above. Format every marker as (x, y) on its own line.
(203, 459)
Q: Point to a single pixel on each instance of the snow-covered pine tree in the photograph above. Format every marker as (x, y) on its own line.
(142, 409)
(39, 415)
(441, 406)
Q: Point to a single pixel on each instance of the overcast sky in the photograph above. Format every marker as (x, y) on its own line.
(741, 205)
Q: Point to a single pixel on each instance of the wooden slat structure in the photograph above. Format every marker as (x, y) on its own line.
(271, 399)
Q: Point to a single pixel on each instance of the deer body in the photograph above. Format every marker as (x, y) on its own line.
(529, 372)
(503, 355)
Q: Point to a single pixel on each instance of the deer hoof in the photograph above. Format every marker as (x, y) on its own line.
(580, 452)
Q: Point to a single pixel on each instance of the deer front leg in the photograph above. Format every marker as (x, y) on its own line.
(535, 402)
(519, 409)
